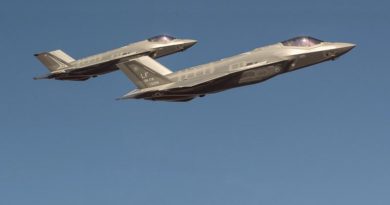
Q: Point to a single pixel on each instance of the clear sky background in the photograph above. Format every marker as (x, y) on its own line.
(320, 135)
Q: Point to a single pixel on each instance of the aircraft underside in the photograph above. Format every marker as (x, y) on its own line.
(215, 86)
(87, 72)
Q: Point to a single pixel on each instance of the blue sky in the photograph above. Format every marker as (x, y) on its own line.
(316, 136)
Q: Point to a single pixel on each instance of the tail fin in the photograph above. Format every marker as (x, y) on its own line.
(55, 60)
(145, 72)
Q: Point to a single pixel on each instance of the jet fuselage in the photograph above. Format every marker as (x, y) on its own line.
(247, 68)
(102, 63)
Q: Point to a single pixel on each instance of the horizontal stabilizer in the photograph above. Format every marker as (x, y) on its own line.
(145, 72)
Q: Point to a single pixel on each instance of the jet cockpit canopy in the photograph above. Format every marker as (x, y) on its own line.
(161, 38)
(302, 41)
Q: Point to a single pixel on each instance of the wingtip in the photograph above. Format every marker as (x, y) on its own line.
(41, 77)
(38, 78)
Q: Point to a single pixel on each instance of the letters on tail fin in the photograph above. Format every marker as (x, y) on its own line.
(145, 72)
(55, 60)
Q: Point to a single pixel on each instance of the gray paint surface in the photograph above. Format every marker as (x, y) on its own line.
(247, 68)
(64, 67)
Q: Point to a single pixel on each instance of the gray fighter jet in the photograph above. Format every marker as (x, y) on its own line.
(64, 67)
(156, 82)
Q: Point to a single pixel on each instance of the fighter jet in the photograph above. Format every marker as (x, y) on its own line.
(64, 67)
(156, 82)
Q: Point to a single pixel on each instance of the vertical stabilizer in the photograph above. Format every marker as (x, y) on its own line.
(145, 72)
(55, 60)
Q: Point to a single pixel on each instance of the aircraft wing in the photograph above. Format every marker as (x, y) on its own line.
(269, 62)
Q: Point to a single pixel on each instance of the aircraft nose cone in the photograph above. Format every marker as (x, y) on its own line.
(349, 46)
(189, 43)
(185, 44)
(345, 47)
